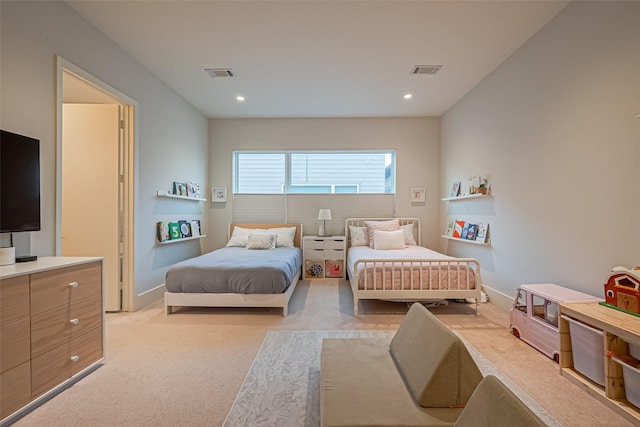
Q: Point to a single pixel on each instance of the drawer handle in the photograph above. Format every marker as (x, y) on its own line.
(75, 358)
(73, 284)
(74, 321)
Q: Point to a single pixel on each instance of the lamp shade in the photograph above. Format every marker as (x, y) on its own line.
(324, 214)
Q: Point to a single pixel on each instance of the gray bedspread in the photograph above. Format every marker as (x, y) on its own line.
(236, 270)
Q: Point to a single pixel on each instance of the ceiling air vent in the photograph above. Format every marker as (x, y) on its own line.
(220, 72)
(426, 69)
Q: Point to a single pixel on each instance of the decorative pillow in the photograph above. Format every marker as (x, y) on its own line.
(359, 236)
(240, 236)
(284, 236)
(390, 225)
(409, 238)
(261, 241)
(388, 239)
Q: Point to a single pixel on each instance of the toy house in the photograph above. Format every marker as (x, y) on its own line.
(622, 289)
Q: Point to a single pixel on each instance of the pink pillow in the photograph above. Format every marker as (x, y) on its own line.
(389, 225)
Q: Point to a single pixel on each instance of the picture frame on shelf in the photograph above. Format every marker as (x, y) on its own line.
(418, 195)
(195, 228)
(450, 226)
(455, 189)
(481, 233)
(219, 194)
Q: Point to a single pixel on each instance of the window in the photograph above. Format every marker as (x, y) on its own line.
(314, 172)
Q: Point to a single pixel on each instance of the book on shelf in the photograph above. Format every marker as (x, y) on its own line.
(162, 229)
(185, 228)
(465, 230)
(457, 229)
(193, 189)
(481, 234)
(455, 189)
(174, 231)
(195, 228)
(471, 232)
(179, 189)
(450, 226)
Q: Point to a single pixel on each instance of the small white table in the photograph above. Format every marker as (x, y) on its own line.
(324, 257)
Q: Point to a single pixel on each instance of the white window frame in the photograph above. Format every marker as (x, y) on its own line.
(287, 168)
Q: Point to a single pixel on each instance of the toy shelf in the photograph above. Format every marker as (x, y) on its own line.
(182, 239)
(161, 193)
(619, 329)
(470, 196)
(473, 242)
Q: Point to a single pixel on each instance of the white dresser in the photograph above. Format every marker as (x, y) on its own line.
(324, 257)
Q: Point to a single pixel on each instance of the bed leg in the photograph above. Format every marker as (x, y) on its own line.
(285, 311)
(167, 310)
(355, 307)
(477, 306)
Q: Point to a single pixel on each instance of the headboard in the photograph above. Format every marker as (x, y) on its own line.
(297, 239)
(359, 222)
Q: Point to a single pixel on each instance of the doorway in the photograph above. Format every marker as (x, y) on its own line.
(94, 201)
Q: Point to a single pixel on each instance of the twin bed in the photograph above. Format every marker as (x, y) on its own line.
(385, 261)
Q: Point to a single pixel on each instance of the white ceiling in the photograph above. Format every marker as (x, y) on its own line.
(320, 58)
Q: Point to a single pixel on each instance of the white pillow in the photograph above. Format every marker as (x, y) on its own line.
(261, 241)
(284, 236)
(388, 239)
(409, 238)
(240, 235)
(389, 225)
(359, 236)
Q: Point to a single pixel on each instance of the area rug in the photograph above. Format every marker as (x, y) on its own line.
(282, 387)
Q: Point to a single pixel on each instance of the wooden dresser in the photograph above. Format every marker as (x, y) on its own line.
(51, 329)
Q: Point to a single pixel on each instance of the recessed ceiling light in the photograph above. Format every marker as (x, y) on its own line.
(408, 96)
(240, 98)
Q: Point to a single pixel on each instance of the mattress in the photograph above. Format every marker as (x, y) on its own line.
(388, 273)
(236, 270)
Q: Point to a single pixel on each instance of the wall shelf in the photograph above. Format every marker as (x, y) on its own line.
(161, 193)
(473, 242)
(470, 196)
(183, 239)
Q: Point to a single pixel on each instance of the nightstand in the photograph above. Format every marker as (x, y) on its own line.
(324, 257)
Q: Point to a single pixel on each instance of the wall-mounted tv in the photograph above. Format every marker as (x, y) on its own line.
(19, 183)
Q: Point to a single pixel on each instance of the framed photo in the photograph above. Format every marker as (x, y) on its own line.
(418, 195)
(455, 189)
(193, 189)
(218, 194)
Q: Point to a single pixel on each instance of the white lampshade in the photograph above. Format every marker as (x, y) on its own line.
(324, 214)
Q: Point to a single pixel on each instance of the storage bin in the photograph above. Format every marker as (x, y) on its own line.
(631, 382)
(634, 350)
(587, 346)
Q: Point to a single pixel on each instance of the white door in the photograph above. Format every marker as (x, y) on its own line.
(90, 185)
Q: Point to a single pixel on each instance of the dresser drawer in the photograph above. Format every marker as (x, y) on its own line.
(15, 389)
(333, 254)
(50, 329)
(60, 363)
(55, 288)
(15, 344)
(334, 244)
(14, 299)
(86, 315)
(50, 369)
(313, 244)
(86, 350)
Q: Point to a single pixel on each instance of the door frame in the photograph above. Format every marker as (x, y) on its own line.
(127, 170)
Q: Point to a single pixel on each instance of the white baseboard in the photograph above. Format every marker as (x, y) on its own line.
(499, 299)
(149, 297)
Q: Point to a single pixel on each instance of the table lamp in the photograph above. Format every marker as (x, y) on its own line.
(323, 215)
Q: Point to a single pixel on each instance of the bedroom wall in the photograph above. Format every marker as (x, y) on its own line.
(555, 131)
(416, 141)
(172, 135)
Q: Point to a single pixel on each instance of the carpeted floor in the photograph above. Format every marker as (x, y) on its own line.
(283, 385)
(187, 368)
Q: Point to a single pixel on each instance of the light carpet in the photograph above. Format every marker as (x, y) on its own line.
(282, 388)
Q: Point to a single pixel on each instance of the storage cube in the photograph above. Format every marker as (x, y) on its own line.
(587, 345)
(631, 382)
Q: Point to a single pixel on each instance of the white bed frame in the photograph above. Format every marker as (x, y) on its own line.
(419, 293)
(186, 299)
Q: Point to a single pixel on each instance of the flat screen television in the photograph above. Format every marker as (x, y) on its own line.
(19, 183)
